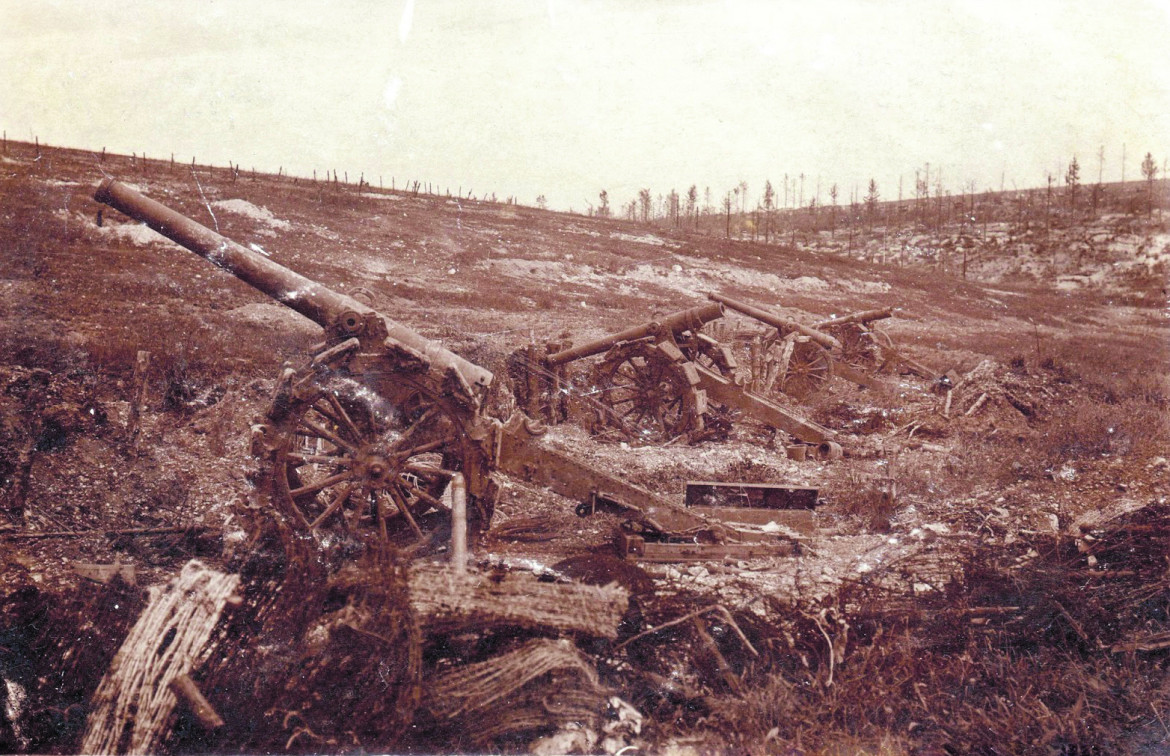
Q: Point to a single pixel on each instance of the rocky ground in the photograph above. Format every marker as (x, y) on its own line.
(1056, 422)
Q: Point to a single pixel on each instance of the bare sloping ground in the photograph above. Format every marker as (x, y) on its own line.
(984, 573)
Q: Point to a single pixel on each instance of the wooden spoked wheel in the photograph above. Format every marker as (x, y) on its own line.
(351, 464)
(646, 396)
(809, 368)
(859, 348)
(886, 355)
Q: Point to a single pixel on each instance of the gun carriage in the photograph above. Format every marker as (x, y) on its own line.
(654, 384)
(797, 360)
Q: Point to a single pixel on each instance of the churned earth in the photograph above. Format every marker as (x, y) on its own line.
(1057, 419)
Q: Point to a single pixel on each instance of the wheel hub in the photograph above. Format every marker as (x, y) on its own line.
(374, 470)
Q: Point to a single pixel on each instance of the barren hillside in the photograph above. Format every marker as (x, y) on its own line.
(1050, 430)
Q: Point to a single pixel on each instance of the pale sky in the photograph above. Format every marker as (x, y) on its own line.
(568, 97)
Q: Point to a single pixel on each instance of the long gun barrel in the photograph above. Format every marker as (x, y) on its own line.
(865, 316)
(322, 305)
(784, 325)
(686, 320)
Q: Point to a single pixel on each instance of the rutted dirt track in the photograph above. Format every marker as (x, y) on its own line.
(1058, 420)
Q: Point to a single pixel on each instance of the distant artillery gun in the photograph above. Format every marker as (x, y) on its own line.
(798, 360)
(654, 383)
(864, 346)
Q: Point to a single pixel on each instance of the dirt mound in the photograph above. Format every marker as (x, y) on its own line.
(248, 210)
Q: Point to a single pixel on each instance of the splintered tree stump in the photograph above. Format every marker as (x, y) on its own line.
(133, 708)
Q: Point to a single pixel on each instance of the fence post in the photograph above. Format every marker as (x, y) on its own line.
(138, 398)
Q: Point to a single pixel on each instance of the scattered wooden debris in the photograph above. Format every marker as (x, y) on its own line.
(544, 684)
(104, 573)
(526, 529)
(978, 403)
(714, 608)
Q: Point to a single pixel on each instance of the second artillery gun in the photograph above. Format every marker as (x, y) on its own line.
(364, 441)
(653, 384)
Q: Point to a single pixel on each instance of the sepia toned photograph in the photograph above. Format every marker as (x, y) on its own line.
(626, 377)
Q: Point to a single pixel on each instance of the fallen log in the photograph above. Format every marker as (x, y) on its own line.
(978, 403)
(446, 601)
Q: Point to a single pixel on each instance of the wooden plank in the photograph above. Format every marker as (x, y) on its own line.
(104, 573)
(708, 493)
(446, 600)
(523, 453)
(801, 520)
(850, 373)
(722, 391)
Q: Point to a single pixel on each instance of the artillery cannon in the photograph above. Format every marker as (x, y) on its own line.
(653, 384)
(803, 358)
(368, 440)
(333, 456)
(646, 385)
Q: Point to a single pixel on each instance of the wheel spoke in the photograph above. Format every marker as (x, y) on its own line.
(430, 472)
(400, 503)
(304, 521)
(313, 488)
(322, 408)
(430, 446)
(320, 459)
(316, 430)
(342, 495)
(417, 491)
(422, 420)
(380, 516)
(346, 422)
